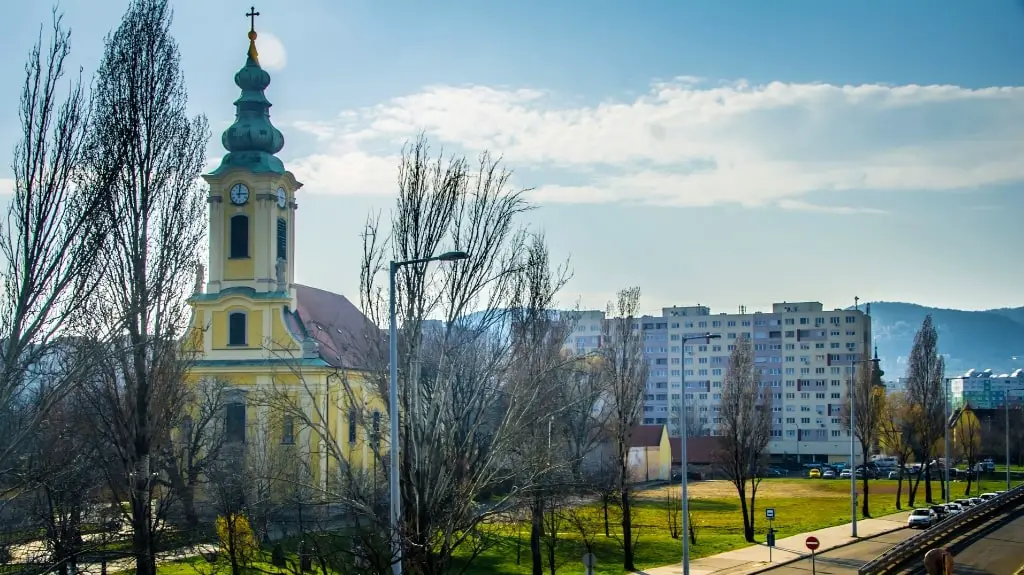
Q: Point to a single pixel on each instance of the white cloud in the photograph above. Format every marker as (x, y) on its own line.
(273, 56)
(688, 142)
(6, 187)
(801, 206)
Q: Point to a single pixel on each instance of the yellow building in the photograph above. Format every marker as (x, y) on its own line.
(262, 333)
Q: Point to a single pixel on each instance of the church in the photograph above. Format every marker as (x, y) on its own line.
(257, 330)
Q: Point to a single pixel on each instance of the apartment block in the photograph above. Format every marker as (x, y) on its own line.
(985, 389)
(804, 355)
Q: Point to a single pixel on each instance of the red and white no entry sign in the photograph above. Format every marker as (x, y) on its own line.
(812, 543)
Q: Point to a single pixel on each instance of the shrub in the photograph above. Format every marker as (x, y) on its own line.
(237, 539)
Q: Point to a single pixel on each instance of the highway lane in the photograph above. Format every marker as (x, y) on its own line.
(845, 560)
(996, 550)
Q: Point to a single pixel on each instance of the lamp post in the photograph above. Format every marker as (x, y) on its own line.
(396, 502)
(707, 337)
(1006, 428)
(853, 441)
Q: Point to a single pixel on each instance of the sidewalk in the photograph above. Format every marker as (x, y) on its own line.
(755, 558)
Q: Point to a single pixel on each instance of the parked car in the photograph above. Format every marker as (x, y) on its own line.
(965, 503)
(922, 517)
(977, 500)
(894, 475)
(829, 474)
(954, 508)
(845, 474)
(987, 496)
(814, 473)
(940, 511)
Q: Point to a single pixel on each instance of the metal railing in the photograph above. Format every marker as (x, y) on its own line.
(941, 532)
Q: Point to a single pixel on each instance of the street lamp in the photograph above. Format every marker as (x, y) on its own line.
(853, 440)
(707, 337)
(1006, 413)
(396, 503)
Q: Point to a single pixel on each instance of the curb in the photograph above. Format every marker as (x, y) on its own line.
(833, 548)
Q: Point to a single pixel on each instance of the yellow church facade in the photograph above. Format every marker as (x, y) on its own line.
(294, 358)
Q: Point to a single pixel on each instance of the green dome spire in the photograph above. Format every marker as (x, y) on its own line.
(252, 141)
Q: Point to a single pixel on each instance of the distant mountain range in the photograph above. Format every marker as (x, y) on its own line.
(968, 339)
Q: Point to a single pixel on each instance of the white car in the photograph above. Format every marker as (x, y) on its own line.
(954, 508)
(845, 474)
(922, 518)
(987, 496)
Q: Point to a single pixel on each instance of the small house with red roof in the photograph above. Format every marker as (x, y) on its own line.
(650, 453)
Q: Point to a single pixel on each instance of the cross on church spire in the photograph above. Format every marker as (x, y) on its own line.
(252, 14)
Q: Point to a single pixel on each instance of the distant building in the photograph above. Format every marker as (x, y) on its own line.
(987, 389)
(804, 353)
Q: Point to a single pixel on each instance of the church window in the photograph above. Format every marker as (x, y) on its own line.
(282, 239)
(240, 236)
(376, 428)
(236, 328)
(352, 426)
(288, 430)
(234, 422)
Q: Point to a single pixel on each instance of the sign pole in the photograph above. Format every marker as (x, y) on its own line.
(814, 571)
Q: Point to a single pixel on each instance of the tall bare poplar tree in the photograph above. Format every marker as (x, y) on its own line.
(149, 154)
(50, 242)
(622, 353)
(925, 373)
(895, 434)
(745, 429)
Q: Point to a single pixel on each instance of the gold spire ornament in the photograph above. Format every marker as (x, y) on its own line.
(252, 14)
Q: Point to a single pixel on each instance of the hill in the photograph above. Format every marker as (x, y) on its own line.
(968, 339)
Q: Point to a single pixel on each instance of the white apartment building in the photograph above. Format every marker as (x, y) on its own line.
(804, 354)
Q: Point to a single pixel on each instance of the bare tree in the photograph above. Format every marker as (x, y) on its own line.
(622, 354)
(583, 420)
(745, 429)
(925, 372)
(867, 393)
(464, 410)
(148, 154)
(190, 453)
(895, 434)
(50, 243)
(967, 440)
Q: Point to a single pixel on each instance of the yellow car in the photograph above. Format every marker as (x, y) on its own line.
(814, 473)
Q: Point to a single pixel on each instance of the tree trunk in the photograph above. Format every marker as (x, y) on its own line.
(536, 532)
(748, 531)
(753, 514)
(604, 500)
(899, 490)
(928, 483)
(627, 528)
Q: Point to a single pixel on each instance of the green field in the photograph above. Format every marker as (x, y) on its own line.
(800, 505)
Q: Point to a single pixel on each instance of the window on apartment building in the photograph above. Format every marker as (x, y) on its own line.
(688, 324)
(648, 421)
(851, 319)
(805, 420)
(805, 395)
(731, 323)
(790, 396)
(789, 321)
(702, 324)
(834, 345)
(745, 323)
(689, 396)
(836, 383)
(835, 421)
(819, 345)
(662, 396)
(675, 325)
(819, 396)
(804, 321)
(836, 396)
(836, 433)
(352, 425)
(790, 420)
(716, 323)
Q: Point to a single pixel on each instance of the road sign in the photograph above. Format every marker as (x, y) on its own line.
(812, 543)
(769, 513)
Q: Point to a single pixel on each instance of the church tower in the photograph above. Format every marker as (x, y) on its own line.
(252, 197)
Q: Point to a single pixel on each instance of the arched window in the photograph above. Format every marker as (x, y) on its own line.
(234, 422)
(236, 328)
(282, 239)
(240, 236)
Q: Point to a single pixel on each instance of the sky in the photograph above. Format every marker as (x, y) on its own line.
(721, 152)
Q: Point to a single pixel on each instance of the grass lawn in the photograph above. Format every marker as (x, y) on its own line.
(800, 505)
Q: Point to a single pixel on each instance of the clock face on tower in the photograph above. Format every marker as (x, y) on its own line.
(282, 198)
(239, 194)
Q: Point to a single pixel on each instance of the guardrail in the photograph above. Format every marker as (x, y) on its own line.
(899, 554)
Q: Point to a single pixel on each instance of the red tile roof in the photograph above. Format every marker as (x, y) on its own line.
(645, 436)
(346, 337)
(699, 450)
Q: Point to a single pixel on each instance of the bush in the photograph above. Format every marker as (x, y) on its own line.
(237, 538)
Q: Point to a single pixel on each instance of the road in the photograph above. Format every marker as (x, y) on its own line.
(994, 550)
(845, 560)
